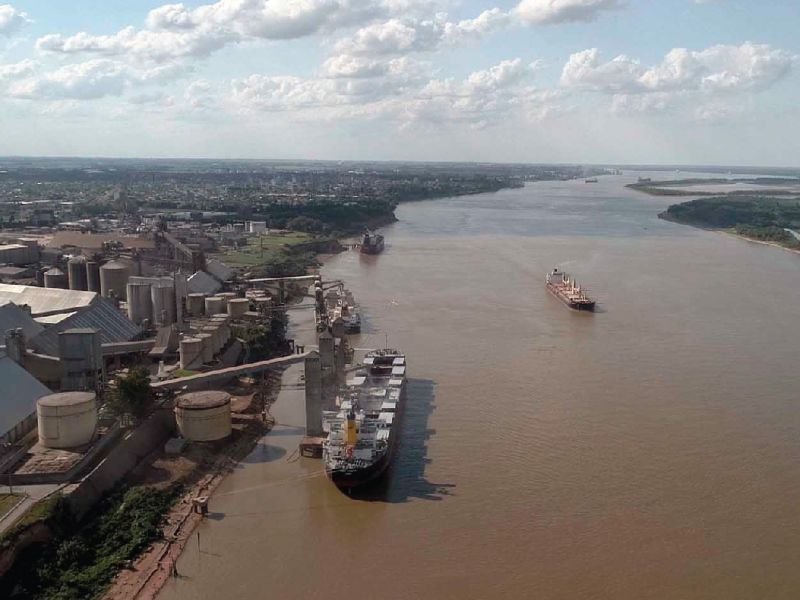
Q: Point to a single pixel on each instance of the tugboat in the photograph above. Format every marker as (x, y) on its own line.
(371, 243)
(568, 291)
(363, 431)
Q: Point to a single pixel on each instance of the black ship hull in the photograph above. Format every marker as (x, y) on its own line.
(350, 479)
(377, 249)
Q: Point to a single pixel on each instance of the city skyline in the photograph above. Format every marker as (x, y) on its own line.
(592, 81)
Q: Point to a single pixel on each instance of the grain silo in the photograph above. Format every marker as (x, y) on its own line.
(237, 307)
(92, 276)
(66, 420)
(163, 297)
(55, 278)
(204, 416)
(208, 346)
(114, 279)
(196, 304)
(191, 353)
(214, 304)
(76, 270)
(140, 303)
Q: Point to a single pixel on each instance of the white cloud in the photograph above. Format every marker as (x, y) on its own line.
(16, 70)
(11, 19)
(175, 30)
(715, 69)
(91, 80)
(546, 12)
(400, 36)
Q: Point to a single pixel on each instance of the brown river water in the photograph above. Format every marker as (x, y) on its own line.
(649, 450)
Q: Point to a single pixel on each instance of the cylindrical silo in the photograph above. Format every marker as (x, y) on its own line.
(92, 276)
(113, 279)
(66, 420)
(204, 416)
(214, 305)
(191, 353)
(208, 346)
(76, 270)
(163, 304)
(196, 304)
(55, 278)
(140, 303)
(237, 307)
(213, 331)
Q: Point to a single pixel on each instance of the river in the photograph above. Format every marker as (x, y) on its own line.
(649, 450)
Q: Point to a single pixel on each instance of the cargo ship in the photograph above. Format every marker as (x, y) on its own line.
(363, 430)
(568, 291)
(371, 243)
(340, 304)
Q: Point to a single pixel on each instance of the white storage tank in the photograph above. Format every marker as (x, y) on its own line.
(114, 279)
(196, 304)
(140, 304)
(214, 305)
(191, 353)
(76, 270)
(237, 307)
(213, 331)
(163, 304)
(93, 276)
(204, 416)
(208, 346)
(55, 278)
(66, 420)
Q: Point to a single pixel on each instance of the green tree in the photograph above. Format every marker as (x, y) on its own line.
(133, 394)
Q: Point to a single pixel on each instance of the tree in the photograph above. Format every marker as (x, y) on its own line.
(133, 394)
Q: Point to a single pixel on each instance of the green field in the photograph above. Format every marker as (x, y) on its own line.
(8, 501)
(264, 249)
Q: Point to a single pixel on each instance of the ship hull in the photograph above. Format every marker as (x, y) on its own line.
(585, 306)
(348, 480)
(377, 249)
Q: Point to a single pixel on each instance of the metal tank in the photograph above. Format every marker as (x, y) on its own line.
(76, 270)
(163, 298)
(237, 307)
(55, 278)
(208, 346)
(114, 279)
(204, 416)
(140, 303)
(66, 420)
(191, 353)
(196, 304)
(92, 276)
(214, 305)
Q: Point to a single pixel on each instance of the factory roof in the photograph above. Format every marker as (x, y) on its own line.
(45, 301)
(202, 282)
(219, 269)
(101, 315)
(21, 390)
(14, 317)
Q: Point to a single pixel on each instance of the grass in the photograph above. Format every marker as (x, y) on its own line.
(178, 373)
(41, 511)
(9, 501)
(263, 249)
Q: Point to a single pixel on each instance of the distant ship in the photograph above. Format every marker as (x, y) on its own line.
(363, 432)
(371, 243)
(591, 180)
(568, 291)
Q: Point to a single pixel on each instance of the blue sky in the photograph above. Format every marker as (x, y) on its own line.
(592, 81)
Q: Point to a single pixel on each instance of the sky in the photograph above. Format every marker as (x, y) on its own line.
(553, 81)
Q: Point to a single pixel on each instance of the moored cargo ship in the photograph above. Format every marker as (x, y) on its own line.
(363, 431)
(568, 291)
(371, 243)
(340, 304)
